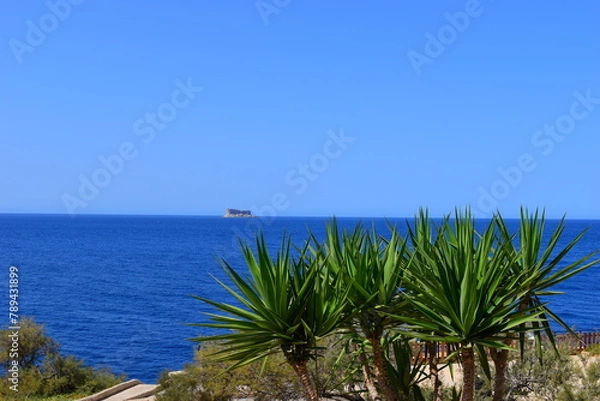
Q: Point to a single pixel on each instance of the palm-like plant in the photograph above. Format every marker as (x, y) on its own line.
(464, 291)
(372, 272)
(422, 235)
(287, 304)
(544, 268)
(406, 372)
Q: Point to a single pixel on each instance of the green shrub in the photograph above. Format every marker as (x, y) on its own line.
(34, 344)
(44, 372)
(208, 379)
(586, 383)
(593, 349)
(561, 377)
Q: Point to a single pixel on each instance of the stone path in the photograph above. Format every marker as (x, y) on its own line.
(130, 390)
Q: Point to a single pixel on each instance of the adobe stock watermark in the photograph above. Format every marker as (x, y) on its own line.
(446, 35)
(38, 30)
(146, 128)
(13, 374)
(297, 180)
(544, 141)
(268, 8)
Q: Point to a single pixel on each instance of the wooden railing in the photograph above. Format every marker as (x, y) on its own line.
(421, 351)
(576, 344)
(579, 342)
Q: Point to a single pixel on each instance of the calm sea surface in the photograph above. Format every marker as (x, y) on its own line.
(115, 290)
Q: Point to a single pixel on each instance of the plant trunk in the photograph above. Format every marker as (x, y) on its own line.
(368, 376)
(383, 380)
(302, 371)
(500, 358)
(434, 371)
(468, 364)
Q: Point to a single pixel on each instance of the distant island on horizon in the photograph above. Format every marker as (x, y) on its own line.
(238, 213)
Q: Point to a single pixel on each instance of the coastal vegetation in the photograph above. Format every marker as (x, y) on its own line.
(562, 376)
(209, 379)
(479, 290)
(43, 372)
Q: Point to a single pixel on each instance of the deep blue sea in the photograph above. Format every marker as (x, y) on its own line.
(115, 290)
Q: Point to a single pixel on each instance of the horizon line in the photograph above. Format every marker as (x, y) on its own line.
(330, 216)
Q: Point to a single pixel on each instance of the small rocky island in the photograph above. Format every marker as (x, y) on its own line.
(238, 213)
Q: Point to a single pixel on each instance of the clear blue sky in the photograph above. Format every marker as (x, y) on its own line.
(430, 111)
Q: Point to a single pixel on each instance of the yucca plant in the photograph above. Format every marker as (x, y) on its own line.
(423, 234)
(286, 305)
(464, 292)
(405, 369)
(536, 257)
(371, 269)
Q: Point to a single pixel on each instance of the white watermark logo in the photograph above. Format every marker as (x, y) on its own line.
(146, 128)
(446, 35)
(545, 140)
(268, 8)
(37, 31)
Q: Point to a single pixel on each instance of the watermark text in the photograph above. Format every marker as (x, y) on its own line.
(13, 328)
